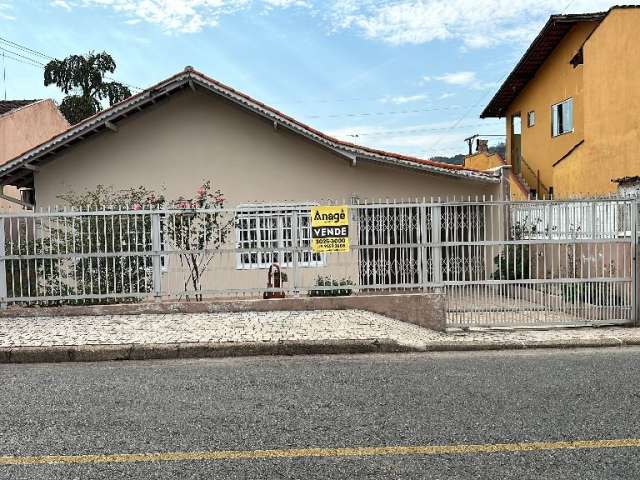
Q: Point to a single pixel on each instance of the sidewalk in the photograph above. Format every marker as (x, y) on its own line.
(131, 337)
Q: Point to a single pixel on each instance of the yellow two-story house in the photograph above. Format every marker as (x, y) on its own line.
(572, 105)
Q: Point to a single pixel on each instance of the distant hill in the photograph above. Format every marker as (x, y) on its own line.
(459, 158)
(456, 159)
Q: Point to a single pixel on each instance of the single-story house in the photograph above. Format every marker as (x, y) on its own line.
(190, 128)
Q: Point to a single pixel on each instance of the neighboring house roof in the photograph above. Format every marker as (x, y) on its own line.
(7, 106)
(19, 171)
(547, 40)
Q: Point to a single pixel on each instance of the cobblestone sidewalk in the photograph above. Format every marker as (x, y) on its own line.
(273, 327)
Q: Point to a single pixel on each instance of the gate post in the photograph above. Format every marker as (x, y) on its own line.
(424, 249)
(635, 265)
(3, 266)
(436, 247)
(156, 248)
(294, 254)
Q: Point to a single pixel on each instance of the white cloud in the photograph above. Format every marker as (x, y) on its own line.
(422, 140)
(458, 78)
(401, 99)
(468, 80)
(287, 3)
(61, 4)
(476, 23)
(5, 10)
(179, 16)
(446, 95)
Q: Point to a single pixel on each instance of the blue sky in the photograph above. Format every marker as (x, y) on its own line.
(405, 75)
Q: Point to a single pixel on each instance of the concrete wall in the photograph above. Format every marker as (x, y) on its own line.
(611, 106)
(196, 136)
(23, 129)
(555, 81)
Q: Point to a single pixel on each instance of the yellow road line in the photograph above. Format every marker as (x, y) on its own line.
(320, 452)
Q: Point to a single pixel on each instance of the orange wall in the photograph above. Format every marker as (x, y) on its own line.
(23, 129)
(555, 81)
(486, 161)
(611, 110)
(483, 161)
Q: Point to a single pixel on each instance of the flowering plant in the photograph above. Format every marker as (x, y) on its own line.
(196, 229)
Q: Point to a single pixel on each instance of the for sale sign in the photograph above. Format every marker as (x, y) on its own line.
(330, 229)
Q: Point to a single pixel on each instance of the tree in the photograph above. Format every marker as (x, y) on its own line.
(82, 79)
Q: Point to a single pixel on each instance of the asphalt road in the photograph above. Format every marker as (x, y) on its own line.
(356, 401)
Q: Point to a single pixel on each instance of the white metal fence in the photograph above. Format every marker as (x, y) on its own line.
(498, 263)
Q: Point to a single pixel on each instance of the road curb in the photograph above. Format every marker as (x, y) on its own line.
(100, 353)
(467, 346)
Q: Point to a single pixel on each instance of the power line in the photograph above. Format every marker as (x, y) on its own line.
(464, 115)
(392, 112)
(26, 49)
(21, 61)
(37, 53)
(22, 56)
(409, 131)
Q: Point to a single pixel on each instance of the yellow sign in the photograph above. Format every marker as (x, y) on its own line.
(330, 229)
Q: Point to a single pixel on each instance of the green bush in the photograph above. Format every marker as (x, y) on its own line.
(513, 263)
(341, 288)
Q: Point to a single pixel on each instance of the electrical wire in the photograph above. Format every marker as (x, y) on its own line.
(22, 61)
(409, 131)
(392, 112)
(37, 53)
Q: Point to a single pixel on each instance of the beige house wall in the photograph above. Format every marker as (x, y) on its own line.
(23, 129)
(195, 136)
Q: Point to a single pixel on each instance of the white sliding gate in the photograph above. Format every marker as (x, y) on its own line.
(498, 262)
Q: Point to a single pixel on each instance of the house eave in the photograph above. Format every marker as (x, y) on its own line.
(18, 172)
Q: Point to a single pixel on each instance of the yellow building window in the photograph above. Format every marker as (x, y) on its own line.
(531, 118)
(562, 117)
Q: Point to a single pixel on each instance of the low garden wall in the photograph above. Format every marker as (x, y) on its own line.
(424, 309)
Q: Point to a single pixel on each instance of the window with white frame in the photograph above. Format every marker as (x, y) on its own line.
(562, 117)
(271, 231)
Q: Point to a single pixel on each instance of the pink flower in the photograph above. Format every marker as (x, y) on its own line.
(201, 191)
(136, 206)
(183, 204)
(219, 199)
(194, 205)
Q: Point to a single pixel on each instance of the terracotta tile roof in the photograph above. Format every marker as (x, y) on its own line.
(18, 168)
(7, 106)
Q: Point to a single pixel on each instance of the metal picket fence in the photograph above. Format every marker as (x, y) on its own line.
(539, 262)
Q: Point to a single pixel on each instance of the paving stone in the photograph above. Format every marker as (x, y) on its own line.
(269, 327)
